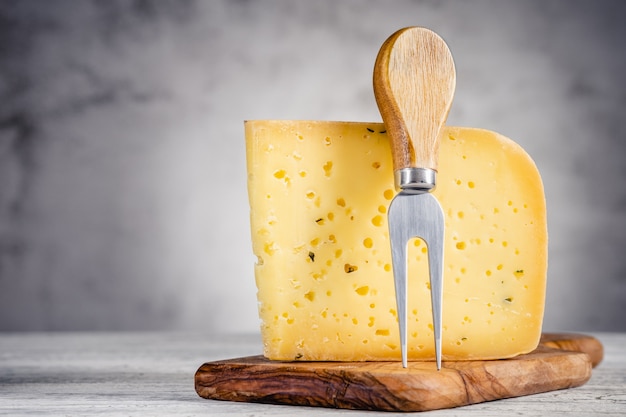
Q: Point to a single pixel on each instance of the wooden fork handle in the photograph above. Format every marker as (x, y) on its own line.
(414, 81)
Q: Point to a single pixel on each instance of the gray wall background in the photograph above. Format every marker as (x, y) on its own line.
(122, 167)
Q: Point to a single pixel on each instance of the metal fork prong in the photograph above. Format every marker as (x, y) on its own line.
(435, 266)
(434, 236)
(399, 261)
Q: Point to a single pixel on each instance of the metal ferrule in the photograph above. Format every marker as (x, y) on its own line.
(416, 180)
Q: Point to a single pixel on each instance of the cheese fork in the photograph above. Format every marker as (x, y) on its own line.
(414, 82)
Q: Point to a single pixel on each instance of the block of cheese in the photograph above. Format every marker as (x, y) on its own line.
(319, 193)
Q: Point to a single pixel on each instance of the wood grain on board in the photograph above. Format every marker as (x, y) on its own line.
(561, 361)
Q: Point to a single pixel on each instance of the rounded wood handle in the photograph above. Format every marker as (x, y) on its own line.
(414, 81)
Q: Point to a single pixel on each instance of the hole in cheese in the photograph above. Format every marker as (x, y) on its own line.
(364, 290)
(377, 220)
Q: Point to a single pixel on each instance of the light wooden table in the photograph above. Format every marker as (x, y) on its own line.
(111, 374)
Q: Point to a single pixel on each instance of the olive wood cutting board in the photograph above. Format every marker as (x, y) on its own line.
(560, 361)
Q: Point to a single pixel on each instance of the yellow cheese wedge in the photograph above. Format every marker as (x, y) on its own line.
(319, 193)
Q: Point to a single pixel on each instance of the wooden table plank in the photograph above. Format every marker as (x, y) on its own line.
(117, 374)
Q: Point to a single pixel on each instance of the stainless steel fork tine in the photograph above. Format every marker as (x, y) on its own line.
(434, 243)
(399, 241)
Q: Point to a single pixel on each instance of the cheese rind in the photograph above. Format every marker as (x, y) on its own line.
(319, 192)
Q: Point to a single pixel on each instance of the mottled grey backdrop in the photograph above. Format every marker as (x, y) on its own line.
(122, 168)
